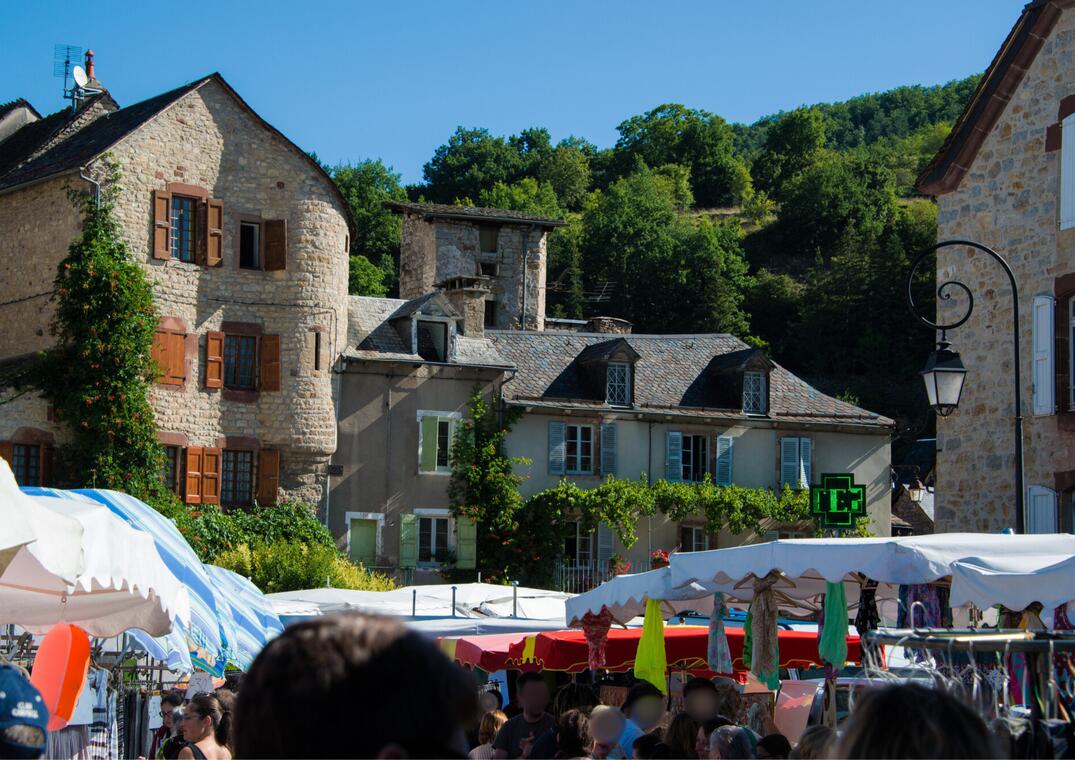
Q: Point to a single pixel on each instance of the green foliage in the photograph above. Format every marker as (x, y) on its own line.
(98, 375)
(758, 207)
(364, 278)
(293, 565)
(472, 160)
(210, 531)
(564, 295)
(792, 144)
(527, 195)
(366, 186)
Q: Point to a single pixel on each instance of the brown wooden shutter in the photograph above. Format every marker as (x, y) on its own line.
(214, 360)
(162, 224)
(193, 476)
(201, 232)
(268, 476)
(214, 233)
(7, 451)
(161, 345)
(177, 355)
(48, 462)
(275, 231)
(1060, 327)
(211, 476)
(269, 359)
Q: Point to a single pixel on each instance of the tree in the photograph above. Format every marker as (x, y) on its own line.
(526, 195)
(792, 144)
(564, 292)
(471, 161)
(567, 169)
(366, 186)
(365, 278)
(98, 375)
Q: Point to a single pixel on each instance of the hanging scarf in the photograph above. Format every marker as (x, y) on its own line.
(748, 636)
(595, 628)
(867, 618)
(651, 662)
(718, 654)
(765, 653)
(832, 645)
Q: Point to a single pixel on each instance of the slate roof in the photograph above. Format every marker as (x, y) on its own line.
(471, 213)
(372, 337)
(670, 377)
(6, 108)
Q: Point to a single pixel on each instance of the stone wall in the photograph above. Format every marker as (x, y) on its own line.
(209, 140)
(1008, 200)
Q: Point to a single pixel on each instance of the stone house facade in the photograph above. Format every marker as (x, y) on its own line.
(1005, 178)
(442, 242)
(245, 241)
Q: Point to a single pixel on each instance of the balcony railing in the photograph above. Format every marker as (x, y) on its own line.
(574, 577)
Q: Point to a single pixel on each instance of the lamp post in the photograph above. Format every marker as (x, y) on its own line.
(944, 373)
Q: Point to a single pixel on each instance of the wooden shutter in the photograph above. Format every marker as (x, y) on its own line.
(724, 460)
(214, 360)
(408, 541)
(211, 476)
(789, 462)
(1062, 330)
(169, 352)
(48, 465)
(604, 545)
(673, 456)
(427, 443)
(162, 224)
(608, 449)
(269, 362)
(194, 475)
(806, 455)
(466, 543)
(275, 232)
(557, 448)
(1067, 174)
(268, 476)
(7, 451)
(1043, 341)
(1041, 510)
(214, 232)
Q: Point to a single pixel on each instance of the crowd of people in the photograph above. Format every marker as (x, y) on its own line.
(364, 686)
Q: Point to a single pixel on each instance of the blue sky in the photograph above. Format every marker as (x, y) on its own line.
(355, 80)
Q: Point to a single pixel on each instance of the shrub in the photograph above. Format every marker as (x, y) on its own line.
(291, 566)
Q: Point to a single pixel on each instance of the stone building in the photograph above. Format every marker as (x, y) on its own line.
(442, 242)
(1005, 177)
(245, 241)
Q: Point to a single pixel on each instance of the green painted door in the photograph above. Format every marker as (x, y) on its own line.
(364, 541)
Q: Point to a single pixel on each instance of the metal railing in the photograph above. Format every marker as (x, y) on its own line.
(574, 577)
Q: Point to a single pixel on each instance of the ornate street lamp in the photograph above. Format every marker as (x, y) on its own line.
(944, 373)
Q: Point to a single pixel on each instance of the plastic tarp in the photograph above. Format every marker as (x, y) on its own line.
(626, 597)
(685, 649)
(254, 627)
(123, 582)
(1014, 582)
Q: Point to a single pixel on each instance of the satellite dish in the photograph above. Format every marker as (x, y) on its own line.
(80, 76)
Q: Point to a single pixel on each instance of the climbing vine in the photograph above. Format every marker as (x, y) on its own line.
(97, 377)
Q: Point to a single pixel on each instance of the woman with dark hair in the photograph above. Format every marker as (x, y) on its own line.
(571, 696)
(207, 729)
(681, 736)
(573, 735)
(912, 721)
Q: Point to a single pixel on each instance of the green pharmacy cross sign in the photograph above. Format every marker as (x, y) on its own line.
(837, 502)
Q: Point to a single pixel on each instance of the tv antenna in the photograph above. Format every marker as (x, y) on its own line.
(64, 65)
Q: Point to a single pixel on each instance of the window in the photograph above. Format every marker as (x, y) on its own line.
(695, 458)
(754, 392)
(26, 464)
(618, 392)
(249, 245)
(170, 469)
(1071, 353)
(488, 238)
(436, 431)
(490, 268)
(578, 546)
(490, 313)
(1041, 510)
(444, 443)
(1044, 340)
(579, 449)
(433, 539)
(692, 538)
(432, 341)
(237, 481)
(182, 230)
(240, 360)
(795, 456)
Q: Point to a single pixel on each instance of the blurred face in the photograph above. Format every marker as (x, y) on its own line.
(489, 702)
(534, 697)
(701, 705)
(647, 712)
(194, 726)
(166, 715)
(606, 726)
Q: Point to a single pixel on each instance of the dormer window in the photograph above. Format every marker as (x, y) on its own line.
(618, 392)
(432, 339)
(754, 392)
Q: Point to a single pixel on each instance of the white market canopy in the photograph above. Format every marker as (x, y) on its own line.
(1014, 582)
(625, 596)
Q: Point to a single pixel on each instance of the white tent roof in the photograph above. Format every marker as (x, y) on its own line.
(1014, 582)
(122, 583)
(626, 597)
(54, 541)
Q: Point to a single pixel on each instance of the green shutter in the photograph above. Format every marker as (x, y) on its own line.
(408, 540)
(428, 459)
(673, 457)
(466, 543)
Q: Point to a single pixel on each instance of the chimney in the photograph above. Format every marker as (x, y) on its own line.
(89, 66)
(467, 296)
(610, 325)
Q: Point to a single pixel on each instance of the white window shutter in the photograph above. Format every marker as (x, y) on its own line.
(1043, 342)
(789, 462)
(1067, 173)
(724, 460)
(806, 447)
(1041, 510)
(604, 545)
(608, 449)
(673, 456)
(556, 447)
